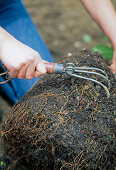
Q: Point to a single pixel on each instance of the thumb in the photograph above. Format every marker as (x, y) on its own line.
(113, 65)
(40, 69)
(113, 68)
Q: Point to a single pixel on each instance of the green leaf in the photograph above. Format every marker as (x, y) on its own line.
(106, 51)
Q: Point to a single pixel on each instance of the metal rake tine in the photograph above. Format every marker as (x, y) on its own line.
(93, 80)
(95, 73)
(92, 68)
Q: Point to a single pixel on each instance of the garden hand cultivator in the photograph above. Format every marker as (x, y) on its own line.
(77, 72)
(81, 72)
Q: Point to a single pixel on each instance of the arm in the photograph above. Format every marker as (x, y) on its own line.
(104, 14)
(20, 60)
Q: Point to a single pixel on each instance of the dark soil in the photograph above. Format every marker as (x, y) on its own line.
(62, 25)
(63, 122)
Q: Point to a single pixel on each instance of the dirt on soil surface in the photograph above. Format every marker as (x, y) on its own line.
(64, 122)
(62, 25)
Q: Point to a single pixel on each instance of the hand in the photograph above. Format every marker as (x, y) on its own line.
(20, 60)
(113, 65)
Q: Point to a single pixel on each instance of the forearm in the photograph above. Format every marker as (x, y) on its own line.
(4, 36)
(104, 14)
(20, 60)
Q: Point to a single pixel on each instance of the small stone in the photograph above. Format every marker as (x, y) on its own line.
(69, 54)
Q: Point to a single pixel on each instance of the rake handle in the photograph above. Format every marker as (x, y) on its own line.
(50, 68)
(54, 68)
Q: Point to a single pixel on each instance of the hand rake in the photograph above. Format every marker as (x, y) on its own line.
(77, 72)
(81, 72)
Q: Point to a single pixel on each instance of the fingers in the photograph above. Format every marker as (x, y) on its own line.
(40, 69)
(30, 71)
(32, 68)
(22, 71)
(13, 72)
(113, 68)
(113, 65)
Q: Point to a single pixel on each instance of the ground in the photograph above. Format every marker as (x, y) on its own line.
(62, 25)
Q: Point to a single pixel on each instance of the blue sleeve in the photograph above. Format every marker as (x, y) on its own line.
(15, 19)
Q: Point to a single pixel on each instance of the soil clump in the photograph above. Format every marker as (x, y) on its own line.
(64, 122)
